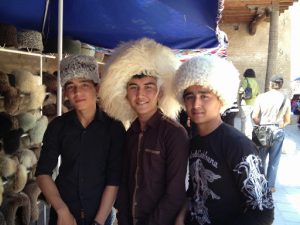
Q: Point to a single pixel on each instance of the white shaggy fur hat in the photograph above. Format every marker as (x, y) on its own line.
(79, 66)
(133, 58)
(213, 72)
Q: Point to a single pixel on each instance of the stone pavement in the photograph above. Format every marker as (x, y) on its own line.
(287, 195)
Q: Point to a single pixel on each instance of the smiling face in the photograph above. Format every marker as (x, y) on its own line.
(202, 106)
(143, 95)
(81, 93)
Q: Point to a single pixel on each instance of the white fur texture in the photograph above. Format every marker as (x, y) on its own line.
(133, 58)
(8, 166)
(37, 97)
(216, 73)
(1, 191)
(27, 158)
(26, 81)
(18, 182)
(37, 132)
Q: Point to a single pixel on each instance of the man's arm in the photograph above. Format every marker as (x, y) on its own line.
(256, 112)
(50, 191)
(181, 215)
(107, 201)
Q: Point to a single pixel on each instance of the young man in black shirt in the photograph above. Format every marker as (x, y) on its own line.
(226, 185)
(90, 145)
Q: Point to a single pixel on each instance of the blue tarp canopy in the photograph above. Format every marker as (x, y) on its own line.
(187, 24)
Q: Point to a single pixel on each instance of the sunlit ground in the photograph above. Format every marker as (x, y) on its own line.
(287, 196)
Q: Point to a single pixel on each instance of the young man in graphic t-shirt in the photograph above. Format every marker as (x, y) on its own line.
(226, 185)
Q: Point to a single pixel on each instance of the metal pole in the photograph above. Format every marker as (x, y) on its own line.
(59, 51)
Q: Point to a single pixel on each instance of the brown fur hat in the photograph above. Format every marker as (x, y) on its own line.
(8, 35)
(33, 191)
(4, 83)
(2, 219)
(12, 100)
(50, 81)
(37, 132)
(6, 124)
(14, 202)
(17, 183)
(1, 191)
(25, 141)
(8, 166)
(11, 141)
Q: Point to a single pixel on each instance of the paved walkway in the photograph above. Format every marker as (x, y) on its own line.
(287, 196)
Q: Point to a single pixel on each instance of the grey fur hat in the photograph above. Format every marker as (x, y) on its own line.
(218, 74)
(133, 58)
(13, 203)
(79, 66)
(30, 40)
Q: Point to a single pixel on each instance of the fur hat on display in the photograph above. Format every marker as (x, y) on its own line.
(25, 141)
(50, 81)
(11, 141)
(12, 101)
(8, 35)
(143, 56)
(36, 150)
(13, 203)
(99, 56)
(27, 158)
(4, 83)
(37, 97)
(30, 40)
(2, 219)
(6, 124)
(8, 166)
(79, 66)
(37, 132)
(33, 191)
(1, 191)
(213, 72)
(26, 81)
(87, 49)
(27, 120)
(16, 183)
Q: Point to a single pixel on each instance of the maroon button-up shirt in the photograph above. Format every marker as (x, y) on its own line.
(153, 188)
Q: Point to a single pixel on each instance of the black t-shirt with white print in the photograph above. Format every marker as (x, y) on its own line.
(226, 185)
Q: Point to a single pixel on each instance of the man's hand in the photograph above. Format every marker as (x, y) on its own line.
(64, 217)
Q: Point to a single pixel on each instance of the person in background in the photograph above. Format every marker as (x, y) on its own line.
(272, 109)
(229, 114)
(90, 145)
(135, 89)
(247, 104)
(226, 184)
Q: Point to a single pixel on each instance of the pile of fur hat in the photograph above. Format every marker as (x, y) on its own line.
(21, 133)
(28, 40)
(18, 158)
(22, 91)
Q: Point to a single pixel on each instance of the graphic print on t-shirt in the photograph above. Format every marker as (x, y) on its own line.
(200, 178)
(255, 185)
